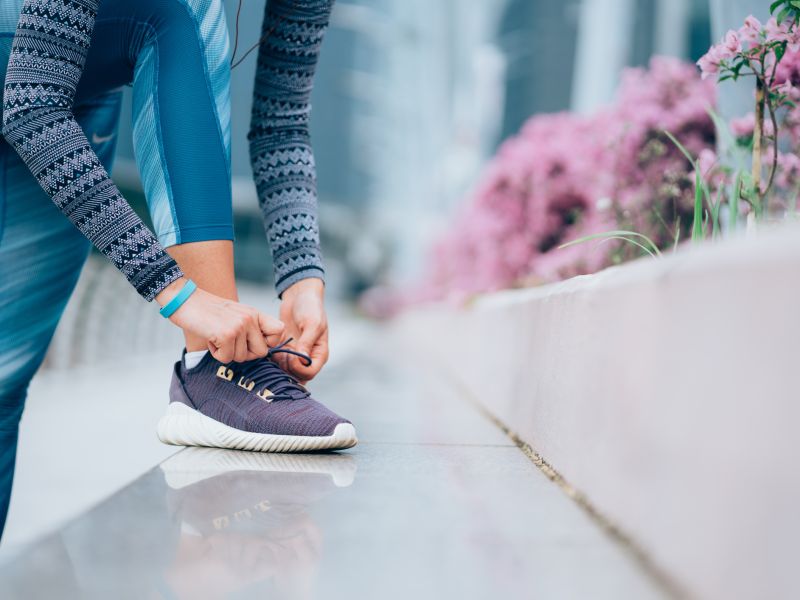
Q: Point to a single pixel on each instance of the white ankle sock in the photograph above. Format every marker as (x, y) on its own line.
(192, 359)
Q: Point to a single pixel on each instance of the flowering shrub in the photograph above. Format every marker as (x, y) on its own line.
(565, 176)
(644, 167)
(653, 179)
(770, 54)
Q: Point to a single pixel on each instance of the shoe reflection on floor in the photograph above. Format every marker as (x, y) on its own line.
(244, 520)
(205, 524)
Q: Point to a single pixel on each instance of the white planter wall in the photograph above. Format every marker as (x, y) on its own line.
(667, 392)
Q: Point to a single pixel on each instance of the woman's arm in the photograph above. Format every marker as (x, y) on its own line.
(280, 145)
(283, 166)
(47, 59)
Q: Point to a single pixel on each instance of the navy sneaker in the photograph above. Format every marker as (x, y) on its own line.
(253, 405)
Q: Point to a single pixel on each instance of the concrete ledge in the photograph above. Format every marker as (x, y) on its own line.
(666, 392)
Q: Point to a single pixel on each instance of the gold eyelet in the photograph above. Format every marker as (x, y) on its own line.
(248, 385)
(224, 372)
(265, 395)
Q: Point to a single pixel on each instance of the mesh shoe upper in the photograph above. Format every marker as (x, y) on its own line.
(255, 396)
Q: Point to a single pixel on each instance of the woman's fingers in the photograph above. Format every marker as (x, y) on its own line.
(313, 341)
(234, 332)
(272, 329)
(320, 351)
(256, 342)
(240, 347)
(222, 349)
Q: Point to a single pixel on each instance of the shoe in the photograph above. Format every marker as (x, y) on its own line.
(253, 405)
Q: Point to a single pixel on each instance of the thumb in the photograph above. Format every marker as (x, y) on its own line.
(306, 341)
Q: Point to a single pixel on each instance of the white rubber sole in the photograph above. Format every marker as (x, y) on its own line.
(184, 426)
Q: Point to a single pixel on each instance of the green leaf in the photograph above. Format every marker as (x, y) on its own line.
(775, 5)
(780, 50)
(783, 14)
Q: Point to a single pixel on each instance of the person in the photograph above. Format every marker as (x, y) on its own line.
(67, 60)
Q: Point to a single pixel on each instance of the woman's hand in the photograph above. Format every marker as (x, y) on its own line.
(235, 332)
(303, 312)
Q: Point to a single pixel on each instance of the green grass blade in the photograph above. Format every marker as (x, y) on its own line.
(723, 131)
(677, 236)
(700, 190)
(630, 241)
(715, 214)
(734, 202)
(679, 146)
(697, 224)
(617, 233)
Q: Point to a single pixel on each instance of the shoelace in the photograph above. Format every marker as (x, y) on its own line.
(282, 348)
(268, 375)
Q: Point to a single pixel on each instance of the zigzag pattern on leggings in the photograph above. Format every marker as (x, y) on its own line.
(280, 145)
(47, 58)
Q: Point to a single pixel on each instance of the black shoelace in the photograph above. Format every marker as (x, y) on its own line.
(271, 381)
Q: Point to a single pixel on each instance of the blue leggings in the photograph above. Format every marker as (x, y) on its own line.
(175, 53)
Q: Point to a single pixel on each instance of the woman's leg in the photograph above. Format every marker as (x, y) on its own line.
(41, 254)
(181, 126)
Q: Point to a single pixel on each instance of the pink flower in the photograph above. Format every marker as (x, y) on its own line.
(794, 40)
(788, 170)
(732, 43)
(750, 32)
(789, 68)
(788, 162)
(787, 89)
(718, 54)
(743, 126)
(706, 161)
(777, 33)
(709, 64)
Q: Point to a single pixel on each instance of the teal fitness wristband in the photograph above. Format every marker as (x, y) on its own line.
(170, 307)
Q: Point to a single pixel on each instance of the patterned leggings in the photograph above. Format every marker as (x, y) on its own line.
(175, 53)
